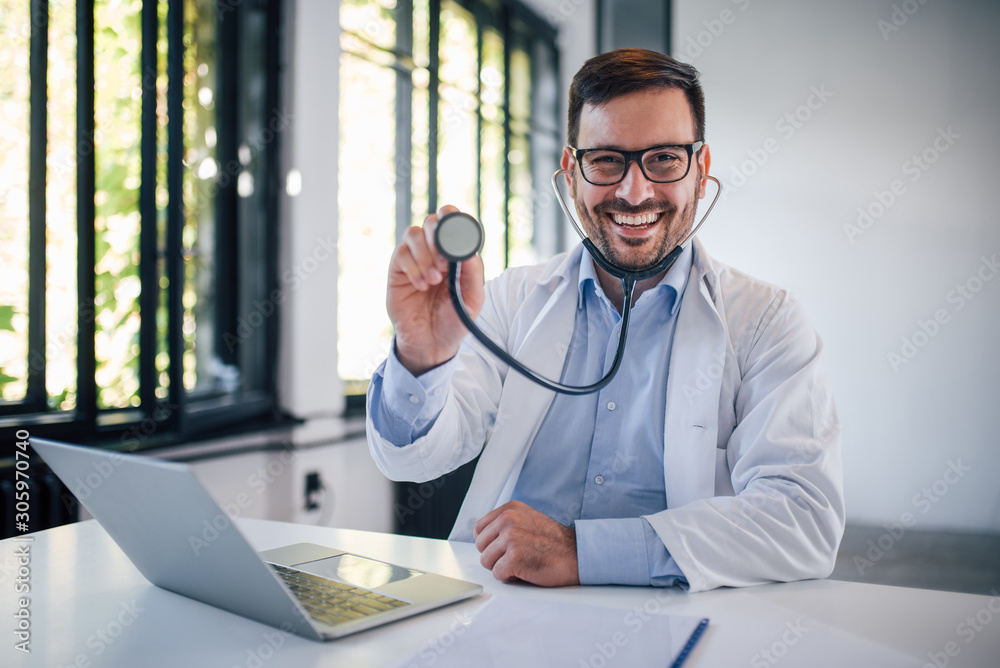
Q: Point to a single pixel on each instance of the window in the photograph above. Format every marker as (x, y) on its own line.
(137, 216)
(441, 102)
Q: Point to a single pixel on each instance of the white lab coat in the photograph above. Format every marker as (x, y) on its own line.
(751, 436)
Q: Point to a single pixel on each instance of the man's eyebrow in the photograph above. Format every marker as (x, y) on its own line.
(612, 147)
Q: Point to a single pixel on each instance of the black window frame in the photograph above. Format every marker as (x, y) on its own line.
(181, 415)
(517, 24)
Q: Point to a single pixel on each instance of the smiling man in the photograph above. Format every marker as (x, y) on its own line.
(711, 459)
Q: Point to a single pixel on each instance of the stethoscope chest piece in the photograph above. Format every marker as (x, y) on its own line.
(458, 236)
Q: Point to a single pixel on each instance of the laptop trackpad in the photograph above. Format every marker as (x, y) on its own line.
(357, 571)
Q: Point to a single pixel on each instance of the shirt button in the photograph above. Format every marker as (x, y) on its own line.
(611, 406)
(437, 391)
(599, 480)
(414, 399)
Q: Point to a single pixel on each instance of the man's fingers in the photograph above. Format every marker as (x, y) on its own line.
(486, 520)
(487, 535)
(503, 569)
(417, 261)
(490, 553)
(500, 558)
(430, 225)
(404, 263)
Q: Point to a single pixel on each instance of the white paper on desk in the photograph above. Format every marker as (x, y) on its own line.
(522, 632)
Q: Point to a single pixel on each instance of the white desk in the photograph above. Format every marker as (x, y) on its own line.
(90, 607)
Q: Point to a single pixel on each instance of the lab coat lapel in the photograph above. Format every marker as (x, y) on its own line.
(693, 389)
(541, 342)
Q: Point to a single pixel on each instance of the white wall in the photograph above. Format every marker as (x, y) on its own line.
(309, 386)
(910, 414)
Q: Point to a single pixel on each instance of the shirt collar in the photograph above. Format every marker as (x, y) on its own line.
(672, 284)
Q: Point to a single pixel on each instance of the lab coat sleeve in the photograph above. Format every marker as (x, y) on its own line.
(465, 420)
(786, 518)
(403, 406)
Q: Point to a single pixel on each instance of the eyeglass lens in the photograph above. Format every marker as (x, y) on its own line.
(605, 167)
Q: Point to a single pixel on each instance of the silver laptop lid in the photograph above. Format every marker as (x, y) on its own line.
(178, 537)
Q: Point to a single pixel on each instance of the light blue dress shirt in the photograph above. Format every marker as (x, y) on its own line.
(597, 459)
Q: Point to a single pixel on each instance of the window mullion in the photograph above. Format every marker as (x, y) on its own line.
(479, 14)
(86, 363)
(175, 206)
(508, 36)
(275, 67)
(38, 129)
(228, 245)
(149, 297)
(432, 116)
(404, 117)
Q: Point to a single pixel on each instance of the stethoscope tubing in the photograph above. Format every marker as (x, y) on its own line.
(628, 279)
(454, 289)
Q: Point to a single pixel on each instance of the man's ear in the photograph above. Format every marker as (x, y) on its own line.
(704, 162)
(568, 162)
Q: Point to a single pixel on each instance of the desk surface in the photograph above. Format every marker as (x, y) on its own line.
(90, 607)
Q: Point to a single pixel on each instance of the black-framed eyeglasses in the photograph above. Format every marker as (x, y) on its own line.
(659, 164)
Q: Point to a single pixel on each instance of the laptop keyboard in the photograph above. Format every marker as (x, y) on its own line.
(333, 602)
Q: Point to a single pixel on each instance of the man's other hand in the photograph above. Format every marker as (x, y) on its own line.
(517, 542)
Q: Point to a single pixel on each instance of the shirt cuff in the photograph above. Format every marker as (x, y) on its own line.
(612, 551)
(405, 406)
(623, 551)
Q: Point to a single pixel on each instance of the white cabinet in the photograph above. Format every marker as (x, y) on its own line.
(271, 484)
(355, 495)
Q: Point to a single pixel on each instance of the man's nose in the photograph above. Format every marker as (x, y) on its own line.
(635, 187)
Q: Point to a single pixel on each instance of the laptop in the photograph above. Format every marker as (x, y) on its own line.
(178, 537)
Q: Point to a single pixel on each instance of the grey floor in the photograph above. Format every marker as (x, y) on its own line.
(950, 561)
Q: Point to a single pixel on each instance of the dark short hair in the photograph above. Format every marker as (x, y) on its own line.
(624, 71)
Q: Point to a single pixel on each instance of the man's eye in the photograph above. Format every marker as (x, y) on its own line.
(663, 157)
(606, 159)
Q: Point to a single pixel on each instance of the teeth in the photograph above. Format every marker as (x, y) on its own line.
(635, 221)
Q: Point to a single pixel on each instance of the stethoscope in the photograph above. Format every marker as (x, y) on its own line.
(459, 236)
